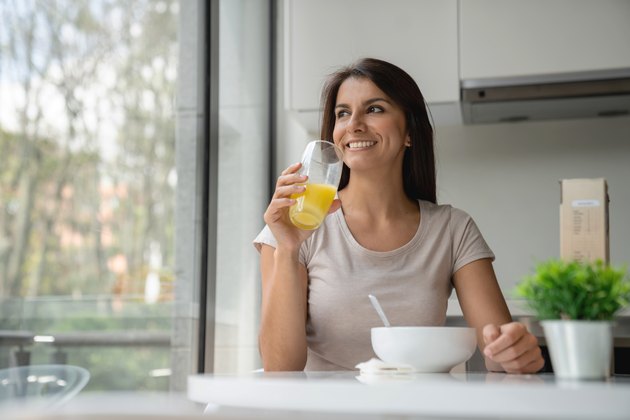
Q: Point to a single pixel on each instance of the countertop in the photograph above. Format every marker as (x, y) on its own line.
(517, 307)
(454, 395)
(107, 405)
(519, 312)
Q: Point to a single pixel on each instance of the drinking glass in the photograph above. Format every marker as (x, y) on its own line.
(322, 162)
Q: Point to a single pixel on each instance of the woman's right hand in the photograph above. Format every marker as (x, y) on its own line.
(284, 306)
(277, 213)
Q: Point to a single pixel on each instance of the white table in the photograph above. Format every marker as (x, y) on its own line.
(465, 395)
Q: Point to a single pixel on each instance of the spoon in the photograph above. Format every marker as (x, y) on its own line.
(379, 310)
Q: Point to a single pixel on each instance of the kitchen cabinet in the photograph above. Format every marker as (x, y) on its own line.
(501, 38)
(420, 36)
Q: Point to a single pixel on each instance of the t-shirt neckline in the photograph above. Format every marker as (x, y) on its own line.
(417, 237)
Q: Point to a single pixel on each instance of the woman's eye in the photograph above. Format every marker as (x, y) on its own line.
(342, 113)
(375, 109)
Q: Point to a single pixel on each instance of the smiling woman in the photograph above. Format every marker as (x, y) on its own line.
(404, 96)
(385, 235)
(369, 124)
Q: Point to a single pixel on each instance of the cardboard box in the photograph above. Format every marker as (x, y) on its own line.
(584, 220)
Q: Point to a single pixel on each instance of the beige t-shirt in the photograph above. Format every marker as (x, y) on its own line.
(412, 283)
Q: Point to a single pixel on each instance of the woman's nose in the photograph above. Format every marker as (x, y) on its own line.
(356, 123)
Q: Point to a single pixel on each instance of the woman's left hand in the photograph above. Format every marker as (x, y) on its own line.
(512, 347)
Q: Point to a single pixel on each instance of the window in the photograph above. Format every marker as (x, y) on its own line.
(121, 199)
(243, 169)
(88, 187)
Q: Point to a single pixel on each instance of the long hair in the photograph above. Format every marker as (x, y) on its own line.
(418, 170)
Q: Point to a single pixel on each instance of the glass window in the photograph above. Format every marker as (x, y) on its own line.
(244, 115)
(103, 186)
(88, 186)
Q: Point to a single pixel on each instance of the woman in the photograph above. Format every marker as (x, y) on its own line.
(384, 235)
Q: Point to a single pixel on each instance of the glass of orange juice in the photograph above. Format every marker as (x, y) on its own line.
(322, 162)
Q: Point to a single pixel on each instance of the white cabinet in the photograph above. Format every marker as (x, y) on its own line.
(419, 36)
(500, 38)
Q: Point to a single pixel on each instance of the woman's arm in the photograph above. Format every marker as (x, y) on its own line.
(282, 336)
(507, 345)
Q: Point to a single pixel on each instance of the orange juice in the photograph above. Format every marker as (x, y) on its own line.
(312, 205)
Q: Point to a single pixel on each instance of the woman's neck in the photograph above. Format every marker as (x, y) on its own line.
(378, 213)
(376, 197)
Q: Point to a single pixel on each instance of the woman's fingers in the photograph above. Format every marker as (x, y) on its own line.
(292, 168)
(288, 184)
(287, 190)
(529, 362)
(280, 201)
(290, 179)
(516, 349)
(274, 210)
(490, 333)
(509, 334)
(536, 365)
(290, 175)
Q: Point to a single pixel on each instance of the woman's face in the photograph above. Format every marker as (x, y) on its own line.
(369, 127)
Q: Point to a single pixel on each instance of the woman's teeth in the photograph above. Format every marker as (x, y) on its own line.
(360, 144)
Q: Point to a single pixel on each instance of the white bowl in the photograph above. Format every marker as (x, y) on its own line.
(427, 349)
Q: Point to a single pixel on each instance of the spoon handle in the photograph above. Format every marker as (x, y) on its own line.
(379, 310)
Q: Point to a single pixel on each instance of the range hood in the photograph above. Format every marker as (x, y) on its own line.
(590, 94)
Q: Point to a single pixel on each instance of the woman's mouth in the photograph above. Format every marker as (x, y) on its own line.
(360, 144)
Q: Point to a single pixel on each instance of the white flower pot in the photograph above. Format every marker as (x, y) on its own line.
(579, 349)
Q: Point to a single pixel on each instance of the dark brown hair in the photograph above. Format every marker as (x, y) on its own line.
(418, 170)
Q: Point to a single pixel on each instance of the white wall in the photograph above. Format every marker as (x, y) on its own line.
(506, 176)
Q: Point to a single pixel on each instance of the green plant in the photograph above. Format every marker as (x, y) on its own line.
(574, 290)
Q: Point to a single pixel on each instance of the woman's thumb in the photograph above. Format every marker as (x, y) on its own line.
(490, 333)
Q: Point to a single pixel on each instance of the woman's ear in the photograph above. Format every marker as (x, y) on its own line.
(408, 141)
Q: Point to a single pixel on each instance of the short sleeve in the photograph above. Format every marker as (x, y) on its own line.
(266, 237)
(468, 243)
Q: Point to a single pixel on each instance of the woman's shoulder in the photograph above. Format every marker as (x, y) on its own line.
(444, 212)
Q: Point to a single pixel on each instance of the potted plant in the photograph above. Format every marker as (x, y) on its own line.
(576, 303)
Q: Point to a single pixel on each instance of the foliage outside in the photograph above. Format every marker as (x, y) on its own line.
(88, 178)
(576, 291)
